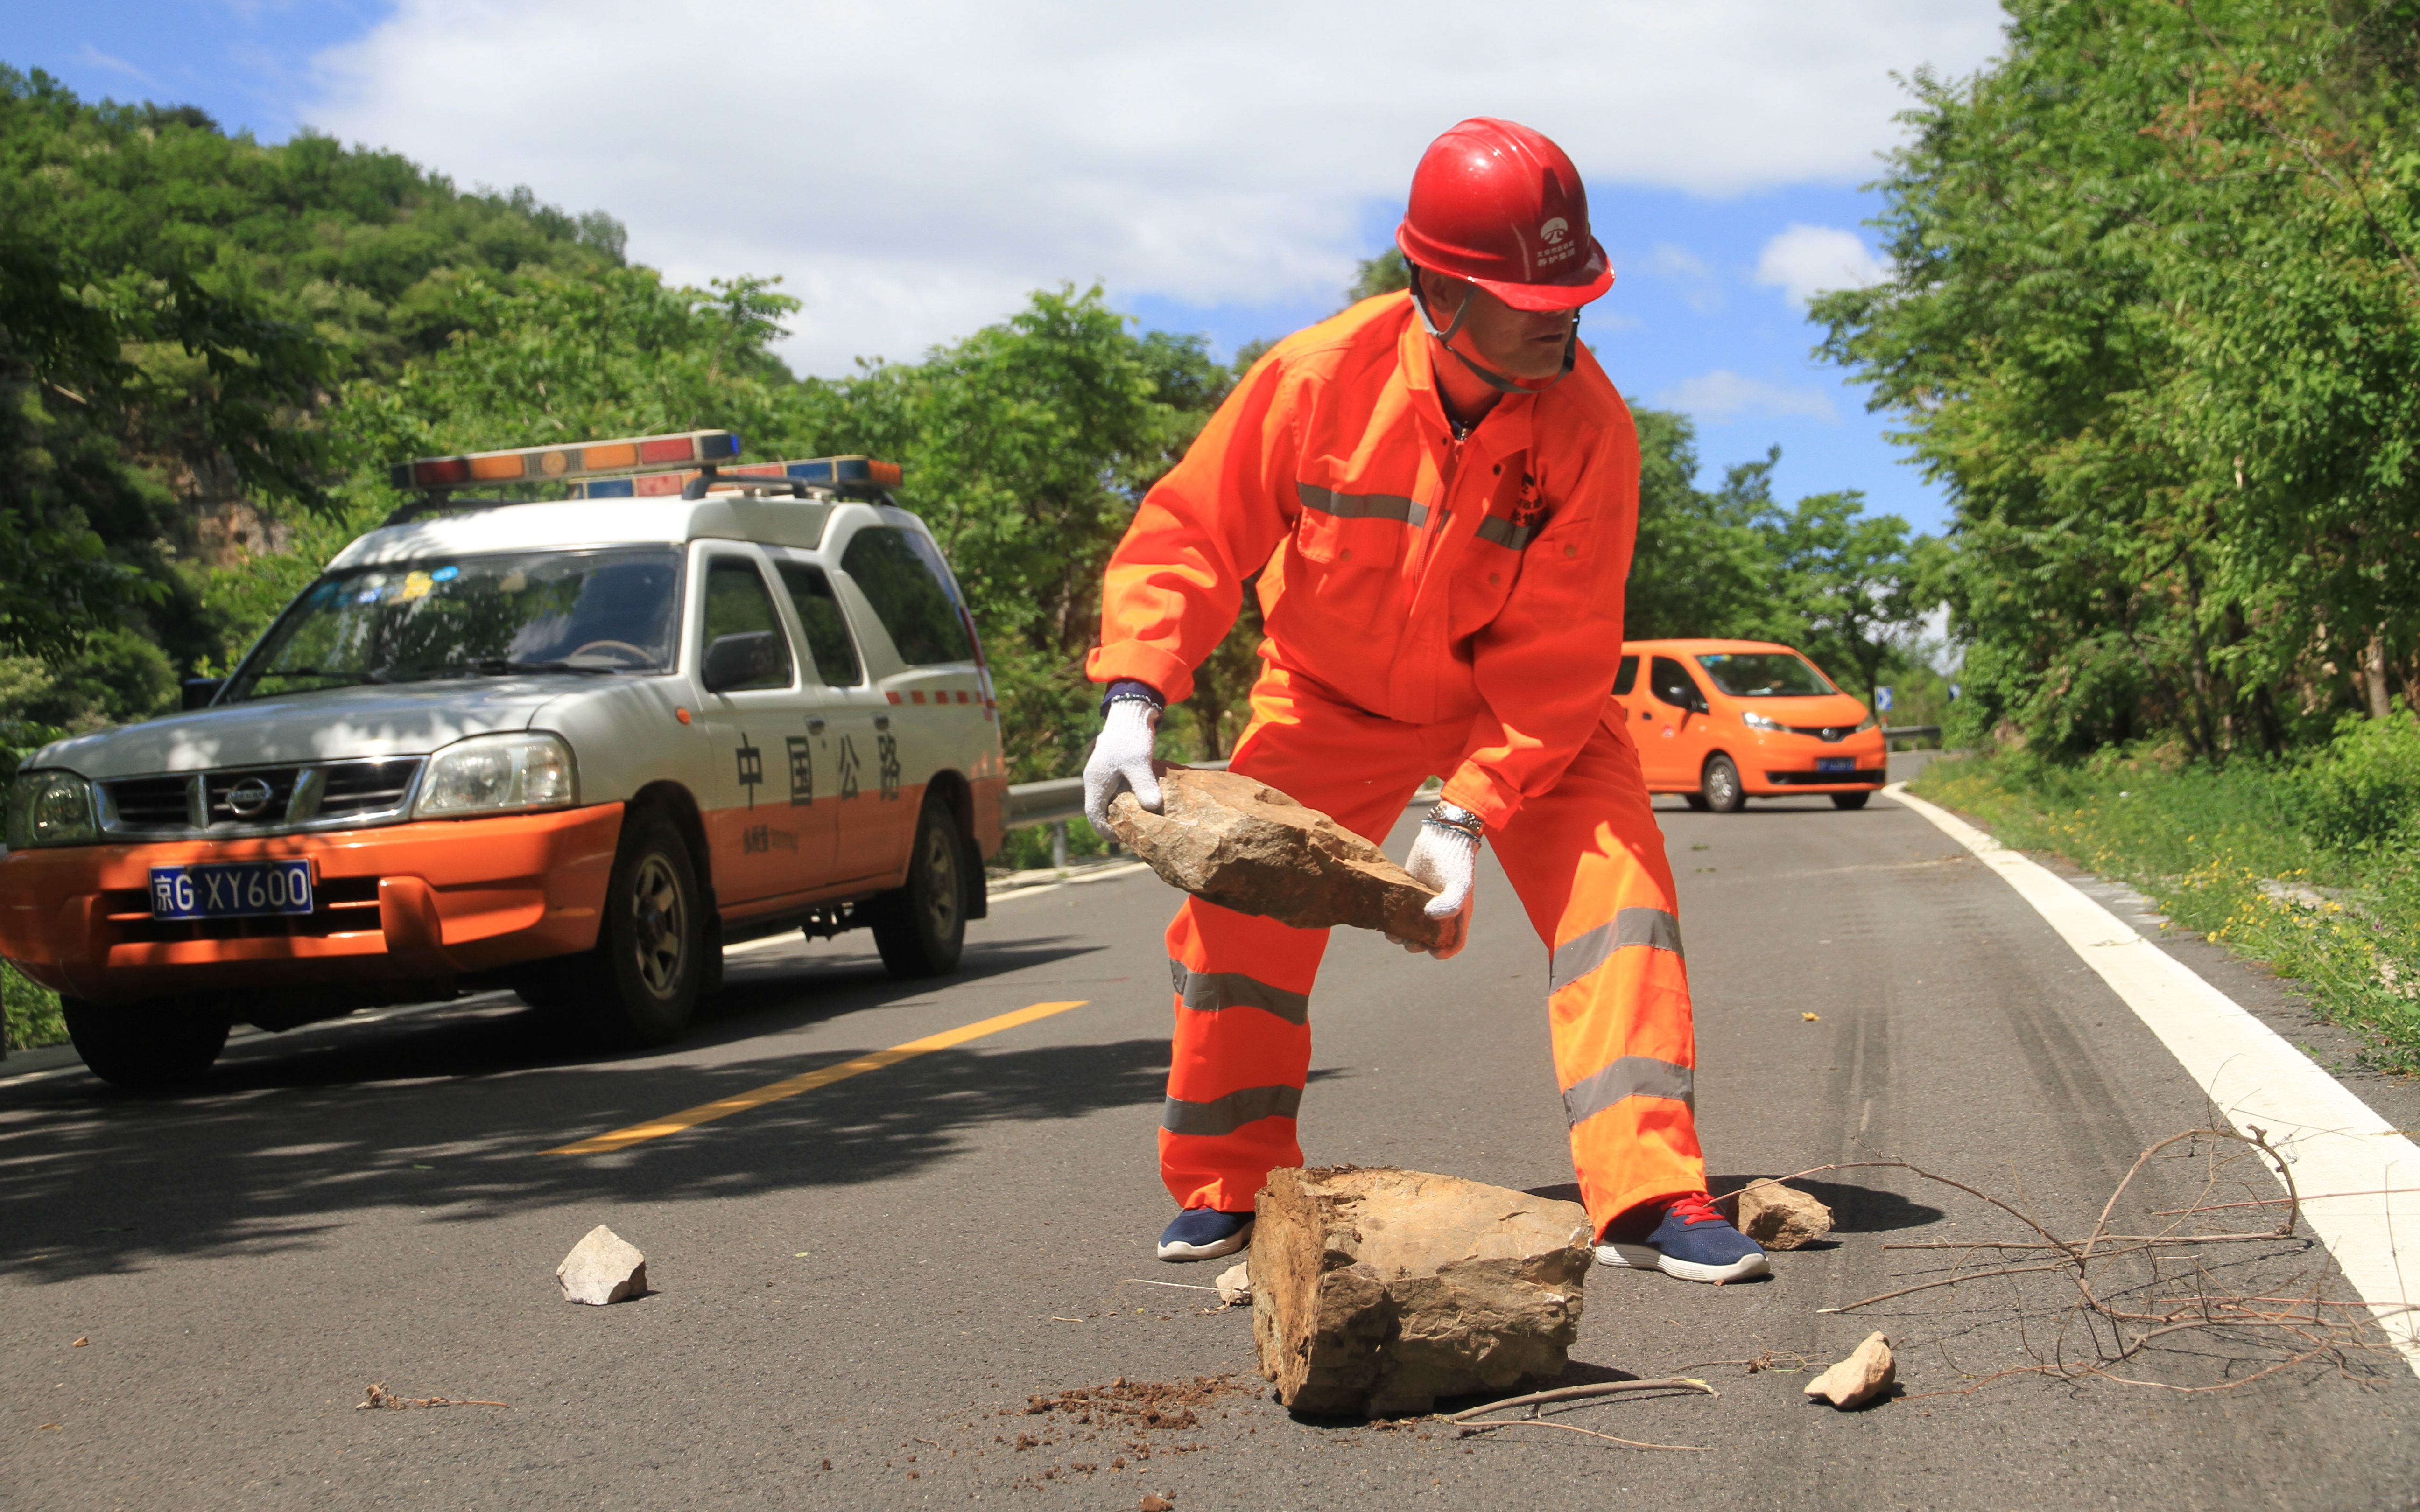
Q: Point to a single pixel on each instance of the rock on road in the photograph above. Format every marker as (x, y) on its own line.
(859, 1287)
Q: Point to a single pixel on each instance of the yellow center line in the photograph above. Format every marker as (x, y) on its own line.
(723, 1107)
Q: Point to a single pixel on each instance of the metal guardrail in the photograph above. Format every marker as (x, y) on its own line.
(1054, 803)
(1911, 731)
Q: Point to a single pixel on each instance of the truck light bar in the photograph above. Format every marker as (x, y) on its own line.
(818, 472)
(552, 464)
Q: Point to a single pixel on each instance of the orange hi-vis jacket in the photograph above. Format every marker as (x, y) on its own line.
(1416, 576)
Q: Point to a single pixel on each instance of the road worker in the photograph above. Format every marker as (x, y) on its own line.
(1438, 488)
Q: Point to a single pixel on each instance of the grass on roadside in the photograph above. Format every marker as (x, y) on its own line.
(2307, 865)
(32, 1012)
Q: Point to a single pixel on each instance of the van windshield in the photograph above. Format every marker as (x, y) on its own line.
(1765, 674)
(480, 616)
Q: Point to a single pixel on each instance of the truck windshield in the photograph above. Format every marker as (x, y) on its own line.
(1765, 674)
(572, 611)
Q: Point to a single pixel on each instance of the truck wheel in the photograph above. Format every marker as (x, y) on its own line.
(922, 928)
(1720, 786)
(641, 985)
(1850, 800)
(145, 1047)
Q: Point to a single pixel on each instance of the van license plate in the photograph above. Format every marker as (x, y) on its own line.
(1835, 763)
(233, 889)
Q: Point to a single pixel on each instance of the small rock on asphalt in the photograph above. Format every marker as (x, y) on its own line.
(1860, 1378)
(602, 1268)
(1781, 1217)
(1236, 1284)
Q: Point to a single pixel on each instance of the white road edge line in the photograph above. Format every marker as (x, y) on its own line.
(2334, 1140)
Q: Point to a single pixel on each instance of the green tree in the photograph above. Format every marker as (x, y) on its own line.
(2155, 305)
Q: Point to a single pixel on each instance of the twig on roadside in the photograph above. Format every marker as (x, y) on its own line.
(1470, 1428)
(1594, 1388)
(377, 1395)
(2131, 1292)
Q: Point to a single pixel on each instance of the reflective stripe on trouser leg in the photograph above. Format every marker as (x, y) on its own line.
(1588, 859)
(1243, 984)
(1241, 1051)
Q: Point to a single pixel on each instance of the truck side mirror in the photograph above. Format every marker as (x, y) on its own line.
(738, 660)
(196, 692)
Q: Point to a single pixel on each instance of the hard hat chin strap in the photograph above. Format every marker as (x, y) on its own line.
(1489, 375)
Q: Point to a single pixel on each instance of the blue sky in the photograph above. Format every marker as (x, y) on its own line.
(1688, 218)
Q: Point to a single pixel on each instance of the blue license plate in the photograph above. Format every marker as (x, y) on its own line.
(230, 890)
(1835, 763)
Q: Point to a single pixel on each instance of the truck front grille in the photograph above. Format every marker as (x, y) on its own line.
(153, 802)
(366, 787)
(262, 800)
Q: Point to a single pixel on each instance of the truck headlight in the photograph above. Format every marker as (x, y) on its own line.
(1758, 722)
(492, 774)
(50, 808)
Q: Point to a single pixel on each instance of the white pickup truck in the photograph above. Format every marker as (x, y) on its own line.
(572, 748)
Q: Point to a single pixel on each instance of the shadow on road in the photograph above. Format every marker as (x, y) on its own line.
(448, 1114)
(1855, 1209)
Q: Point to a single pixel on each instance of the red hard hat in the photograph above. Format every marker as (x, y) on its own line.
(1500, 206)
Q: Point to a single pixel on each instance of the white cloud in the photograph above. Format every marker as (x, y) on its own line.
(914, 166)
(1808, 260)
(1678, 261)
(93, 57)
(1724, 395)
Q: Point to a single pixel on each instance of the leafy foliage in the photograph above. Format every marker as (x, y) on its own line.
(1733, 561)
(178, 308)
(2156, 304)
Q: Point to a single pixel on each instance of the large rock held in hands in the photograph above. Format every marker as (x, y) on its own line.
(1377, 1291)
(1242, 845)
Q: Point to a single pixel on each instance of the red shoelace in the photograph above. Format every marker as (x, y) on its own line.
(1696, 1208)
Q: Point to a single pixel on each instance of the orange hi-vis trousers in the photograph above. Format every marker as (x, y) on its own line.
(1588, 862)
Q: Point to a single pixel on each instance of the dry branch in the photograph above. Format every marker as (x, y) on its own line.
(2130, 1292)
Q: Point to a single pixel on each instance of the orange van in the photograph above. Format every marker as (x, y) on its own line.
(1723, 721)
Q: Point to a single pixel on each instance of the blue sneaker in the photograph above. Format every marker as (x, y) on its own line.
(1694, 1242)
(1204, 1234)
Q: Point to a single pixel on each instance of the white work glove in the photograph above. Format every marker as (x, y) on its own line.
(1445, 858)
(1122, 759)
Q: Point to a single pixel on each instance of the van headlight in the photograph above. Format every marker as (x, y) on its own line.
(494, 774)
(50, 808)
(1758, 722)
(1870, 721)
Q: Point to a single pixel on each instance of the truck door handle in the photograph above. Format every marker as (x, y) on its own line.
(882, 721)
(814, 727)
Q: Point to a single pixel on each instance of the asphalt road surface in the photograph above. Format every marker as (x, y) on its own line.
(859, 1287)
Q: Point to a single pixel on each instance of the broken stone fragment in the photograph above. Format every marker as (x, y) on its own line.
(1375, 1291)
(1781, 1217)
(1236, 1284)
(602, 1268)
(1244, 845)
(1860, 1378)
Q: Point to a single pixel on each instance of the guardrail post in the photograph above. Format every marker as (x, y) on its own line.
(1058, 844)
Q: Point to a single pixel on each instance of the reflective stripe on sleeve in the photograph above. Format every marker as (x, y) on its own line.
(1505, 533)
(1583, 953)
(1363, 505)
(1630, 1076)
(1207, 991)
(1225, 1115)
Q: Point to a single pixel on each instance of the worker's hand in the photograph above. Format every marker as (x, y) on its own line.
(1122, 759)
(1445, 858)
